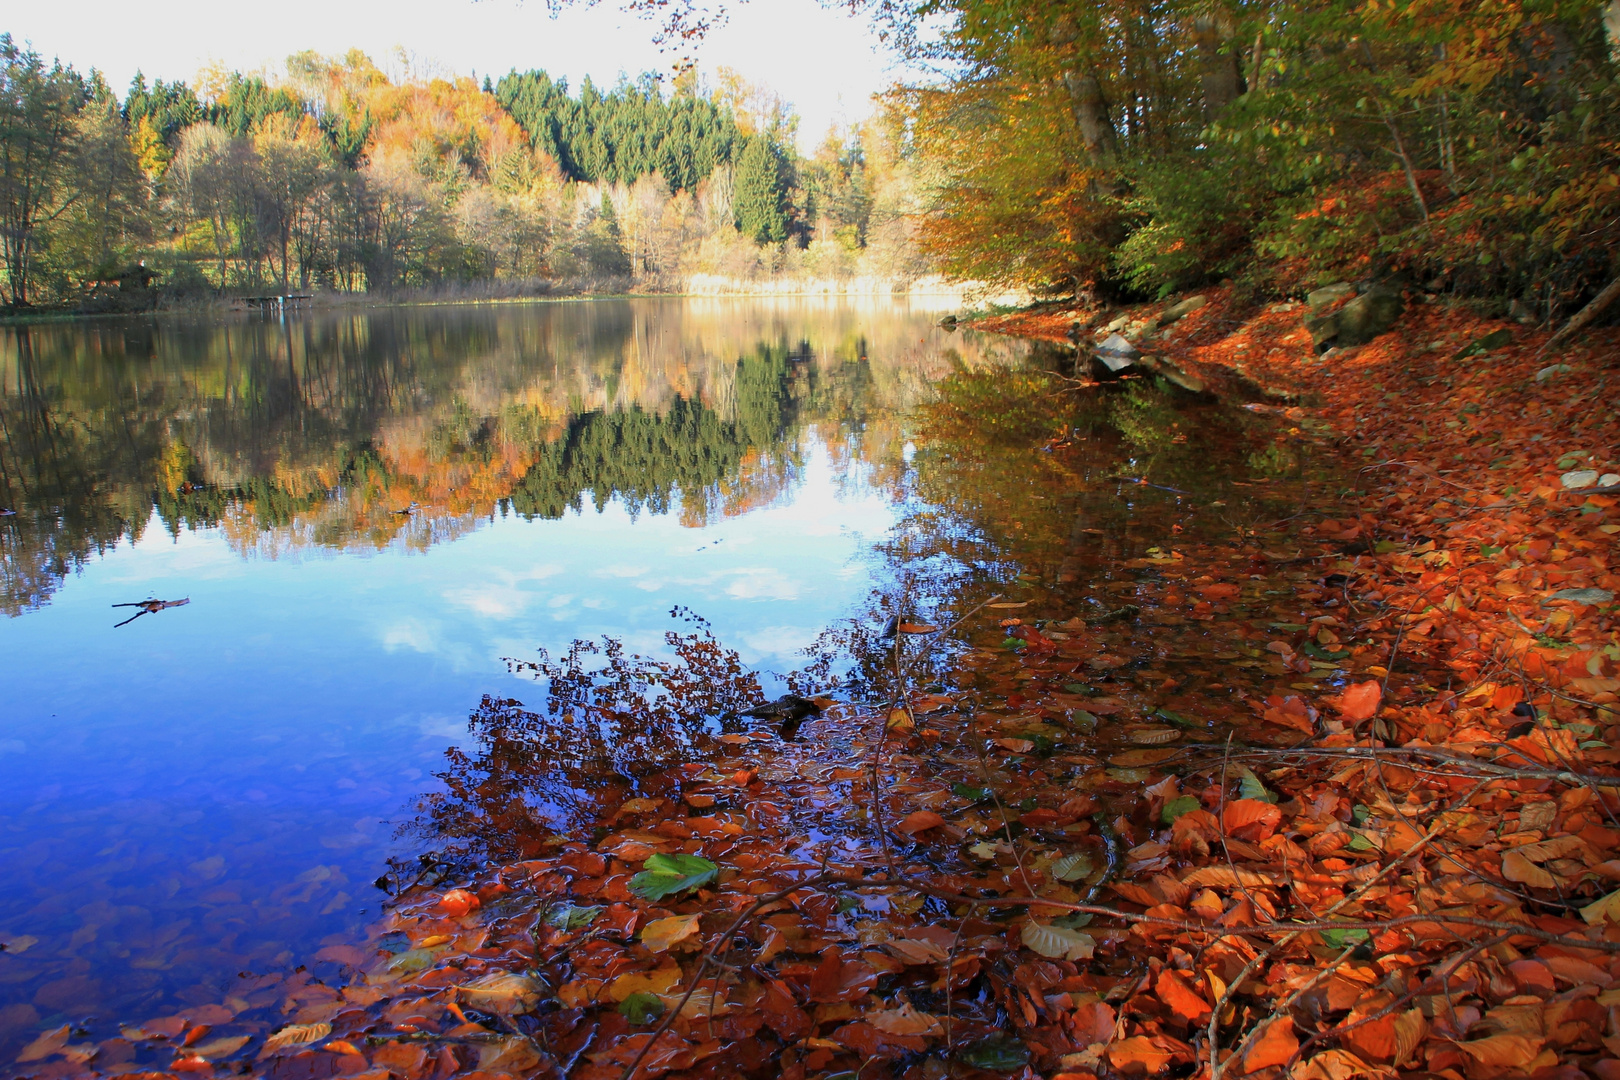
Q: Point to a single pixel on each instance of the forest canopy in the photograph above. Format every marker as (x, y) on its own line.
(331, 175)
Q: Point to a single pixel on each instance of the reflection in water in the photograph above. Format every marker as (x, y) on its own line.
(210, 790)
(1020, 487)
(409, 426)
(603, 728)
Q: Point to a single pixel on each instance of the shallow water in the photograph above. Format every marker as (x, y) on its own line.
(368, 512)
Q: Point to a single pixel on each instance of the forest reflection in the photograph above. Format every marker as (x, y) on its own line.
(1020, 485)
(411, 426)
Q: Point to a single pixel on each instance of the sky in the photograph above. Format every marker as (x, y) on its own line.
(826, 63)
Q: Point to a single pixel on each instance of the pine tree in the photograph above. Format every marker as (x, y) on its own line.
(760, 192)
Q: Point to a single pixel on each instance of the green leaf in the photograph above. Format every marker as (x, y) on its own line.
(664, 875)
(1250, 787)
(1338, 939)
(1176, 719)
(1073, 921)
(969, 792)
(848, 903)
(1359, 814)
(642, 1008)
(1384, 547)
(1081, 688)
(998, 1053)
(1359, 842)
(1176, 807)
(570, 917)
(1312, 649)
(1012, 643)
(411, 961)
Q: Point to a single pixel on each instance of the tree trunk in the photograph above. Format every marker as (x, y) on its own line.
(1221, 77)
(1091, 111)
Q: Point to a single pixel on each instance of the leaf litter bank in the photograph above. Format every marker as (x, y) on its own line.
(1315, 782)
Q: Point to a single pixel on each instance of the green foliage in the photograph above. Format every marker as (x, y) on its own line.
(247, 100)
(759, 192)
(665, 875)
(170, 107)
(642, 1008)
(623, 135)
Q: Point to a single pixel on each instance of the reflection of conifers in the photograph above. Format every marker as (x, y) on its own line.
(643, 458)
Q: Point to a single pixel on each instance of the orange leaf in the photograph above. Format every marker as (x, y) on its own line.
(1360, 701)
(1515, 867)
(1139, 1053)
(1219, 591)
(1180, 997)
(457, 902)
(1017, 746)
(1275, 1045)
(1503, 1050)
(919, 820)
(1374, 1040)
(660, 934)
(1256, 815)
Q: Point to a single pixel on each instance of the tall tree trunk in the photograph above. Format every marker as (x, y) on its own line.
(1091, 112)
(1221, 77)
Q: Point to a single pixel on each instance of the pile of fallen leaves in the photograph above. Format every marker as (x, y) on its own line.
(1367, 826)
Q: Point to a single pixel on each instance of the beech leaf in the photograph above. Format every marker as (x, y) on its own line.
(1056, 942)
(664, 875)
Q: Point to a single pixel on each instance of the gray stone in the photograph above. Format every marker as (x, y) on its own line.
(1181, 310)
(1357, 322)
(1329, 294)
(1118, 324)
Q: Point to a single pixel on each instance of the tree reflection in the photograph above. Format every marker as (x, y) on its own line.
(610, 723)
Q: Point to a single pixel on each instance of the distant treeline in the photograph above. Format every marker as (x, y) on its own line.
(335, 176)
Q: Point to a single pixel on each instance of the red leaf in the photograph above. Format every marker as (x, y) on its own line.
(1359, 701)
(1274, 1046)
(1180, 997)
(918, 821)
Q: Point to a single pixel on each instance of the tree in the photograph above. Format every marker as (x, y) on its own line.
(760, 193)
(39, 109)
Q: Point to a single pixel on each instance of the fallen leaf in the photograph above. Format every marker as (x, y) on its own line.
(1515, 867)
(504, 992)
(1274, 1045)
(296, 1035)
(1359, 701)
(46, 1045)
(1503, 1050)
(664, 875)
(1139, 1053)
(1055, 941)
(457, 902)
(20, 944)
(1017, 746)
(919, 821)
(660, 934)
(224, 1047)
(905, 1021)
(1181, 997)
(1605, 910)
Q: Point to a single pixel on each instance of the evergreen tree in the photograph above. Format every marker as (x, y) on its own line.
(759, 192)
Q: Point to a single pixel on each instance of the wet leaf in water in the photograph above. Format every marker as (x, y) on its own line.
(660, 934)
(642, 1008)
(570, 916)
(504, 992)
(411, 961)
(1135, 759)
(970, 792)
(1001, 1054)
(224, 1047)
(296, 1035)
(1072, 867)
(905, 1020)
(1156, 736)
(46, 1045)
(457, 902)
(664, 875)
(19, 944)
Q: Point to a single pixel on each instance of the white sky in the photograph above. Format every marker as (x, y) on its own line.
(826, 63)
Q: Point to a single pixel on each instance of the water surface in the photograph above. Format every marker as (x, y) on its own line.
(368, 511)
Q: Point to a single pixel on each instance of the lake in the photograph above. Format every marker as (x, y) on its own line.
(368, 511)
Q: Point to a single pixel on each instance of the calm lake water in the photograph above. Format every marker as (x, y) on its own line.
(212, 788)
(368, 511)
